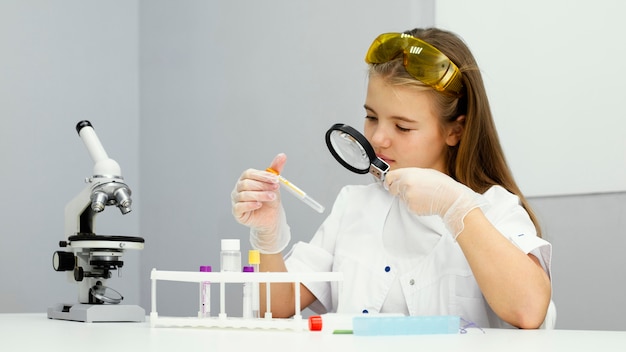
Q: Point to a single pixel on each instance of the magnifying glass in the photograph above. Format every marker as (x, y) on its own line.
(354, 152)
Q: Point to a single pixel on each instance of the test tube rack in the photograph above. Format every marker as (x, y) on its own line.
(295, 323)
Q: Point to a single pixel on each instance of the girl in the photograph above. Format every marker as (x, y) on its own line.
(449, 233)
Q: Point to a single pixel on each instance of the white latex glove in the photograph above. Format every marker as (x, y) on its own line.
(430, 192)
(256, 204)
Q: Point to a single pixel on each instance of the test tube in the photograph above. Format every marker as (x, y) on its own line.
(300, 194)
(230, 261)
(247, 294)
(254, 259)
(205, 294)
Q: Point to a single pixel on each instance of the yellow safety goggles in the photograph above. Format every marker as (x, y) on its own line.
(422, 61)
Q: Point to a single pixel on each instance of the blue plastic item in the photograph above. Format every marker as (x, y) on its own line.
(411, 325)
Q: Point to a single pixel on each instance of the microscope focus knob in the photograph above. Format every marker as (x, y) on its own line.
(63, 261)
(79, 274)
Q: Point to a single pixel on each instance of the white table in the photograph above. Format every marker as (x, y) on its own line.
(35, 332)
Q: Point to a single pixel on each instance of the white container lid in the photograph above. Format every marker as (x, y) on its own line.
(230, 244)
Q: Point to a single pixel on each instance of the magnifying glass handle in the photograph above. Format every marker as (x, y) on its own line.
(379, 169)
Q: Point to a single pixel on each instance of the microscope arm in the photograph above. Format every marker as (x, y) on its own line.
(79, 217)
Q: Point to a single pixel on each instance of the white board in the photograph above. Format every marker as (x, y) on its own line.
(555, 76)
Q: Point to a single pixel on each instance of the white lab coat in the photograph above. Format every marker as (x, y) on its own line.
(415, 268)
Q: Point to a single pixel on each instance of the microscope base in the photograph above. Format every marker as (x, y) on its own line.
(91, 313)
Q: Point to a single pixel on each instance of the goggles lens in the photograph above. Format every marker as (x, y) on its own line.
(422, 61)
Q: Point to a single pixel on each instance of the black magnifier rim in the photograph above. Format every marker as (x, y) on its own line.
(359, 138)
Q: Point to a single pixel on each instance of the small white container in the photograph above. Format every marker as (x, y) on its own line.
(230, 256)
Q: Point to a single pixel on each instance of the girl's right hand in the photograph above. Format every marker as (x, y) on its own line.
(256, 204)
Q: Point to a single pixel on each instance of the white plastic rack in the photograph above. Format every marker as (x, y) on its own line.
(223, 278)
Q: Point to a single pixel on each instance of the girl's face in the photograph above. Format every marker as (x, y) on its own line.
(403, 128)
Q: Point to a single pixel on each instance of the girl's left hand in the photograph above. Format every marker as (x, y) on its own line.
(430, 192)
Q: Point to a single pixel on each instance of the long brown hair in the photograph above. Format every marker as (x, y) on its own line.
(477, 160)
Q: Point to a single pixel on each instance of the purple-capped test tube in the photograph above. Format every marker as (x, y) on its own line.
(247, 294)
(205, 294)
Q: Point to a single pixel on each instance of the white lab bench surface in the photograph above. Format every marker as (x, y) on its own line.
(35, 332)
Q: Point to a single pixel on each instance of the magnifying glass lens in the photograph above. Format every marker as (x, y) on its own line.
(349, 150)
(354, 152)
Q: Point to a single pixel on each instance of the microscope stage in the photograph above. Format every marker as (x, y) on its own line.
(99, 241)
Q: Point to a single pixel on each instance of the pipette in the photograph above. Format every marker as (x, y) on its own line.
(297, 192)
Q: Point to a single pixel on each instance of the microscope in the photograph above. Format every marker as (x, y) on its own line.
(89, 259)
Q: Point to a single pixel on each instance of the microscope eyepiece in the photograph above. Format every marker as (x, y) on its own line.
(81, 124)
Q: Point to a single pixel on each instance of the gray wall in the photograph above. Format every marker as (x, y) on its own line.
(185, 96)
(588, 236)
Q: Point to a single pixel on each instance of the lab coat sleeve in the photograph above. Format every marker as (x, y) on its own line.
(305, 257)
(512, 220)
(318, 255)
(536, 246)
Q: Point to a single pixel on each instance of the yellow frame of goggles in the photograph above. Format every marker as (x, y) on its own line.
(422, 61)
